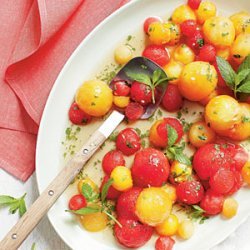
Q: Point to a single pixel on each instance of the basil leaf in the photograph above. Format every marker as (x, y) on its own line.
(13, 204)
(14, 207)
(226, 71)
(156, 75)
(105, 189)
(245, 64)
(182, 158)
(241, 76)
(85, 210)
(244, 88)
(87, 191)
(140, 77)
(22, 207)
(170, 155)
(6, 200)
(172, 135)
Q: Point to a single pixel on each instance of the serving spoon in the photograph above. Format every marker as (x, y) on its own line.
(48, 197)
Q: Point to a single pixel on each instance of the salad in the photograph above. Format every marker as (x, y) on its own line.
(183, 165)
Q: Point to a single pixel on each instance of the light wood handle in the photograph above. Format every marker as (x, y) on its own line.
(49, 196)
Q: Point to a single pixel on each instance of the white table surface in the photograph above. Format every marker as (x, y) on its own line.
(46, 238)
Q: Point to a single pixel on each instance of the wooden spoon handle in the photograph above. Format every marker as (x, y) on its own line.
(49, 196)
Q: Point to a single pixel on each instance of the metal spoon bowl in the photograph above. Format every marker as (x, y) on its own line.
(145, 66)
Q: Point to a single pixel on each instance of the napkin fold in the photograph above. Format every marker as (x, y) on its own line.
(37, 37)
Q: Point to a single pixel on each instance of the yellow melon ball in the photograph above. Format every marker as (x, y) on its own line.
(198, 79)
(171, 191)
(241, 48)
(173, 69)
(153, 206)
(158, 33)
(241, 131)
(123, 54)
(222, 113)
(94, 222)
(121, 101)
(206, 10)
(94, 98)
(122, 179)
(183, 13)
(219, 31)
(245, 172)
(241, 21)
(230, 208)
(169, 226)
(186, 229)
(175, 32)
(184, 54)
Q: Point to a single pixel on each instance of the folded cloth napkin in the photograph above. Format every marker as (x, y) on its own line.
(37, 37)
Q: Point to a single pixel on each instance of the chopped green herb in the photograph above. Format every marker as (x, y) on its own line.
(129, 38)
(151, 119)
(138, 131)
(185, 110)
(245, 119)
(179, 114)
(159, 113)
(113, 136)
(200, 42)
(202, 137)
(186, 125)
(145, 135)
(224, 34)
(143, 143)
(130, 46)
(71, 133)
(103, 145)
(109, 72)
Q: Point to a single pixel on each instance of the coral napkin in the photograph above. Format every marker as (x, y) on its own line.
(36, 37)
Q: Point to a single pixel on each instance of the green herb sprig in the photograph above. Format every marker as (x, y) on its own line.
(175, 152)
(238, 81)
(14, 204)
(157, 78)
(194, 212)
(96, 202)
